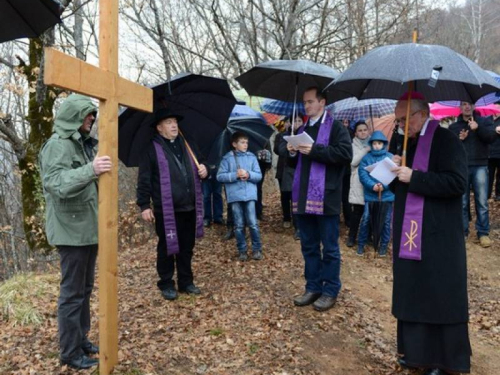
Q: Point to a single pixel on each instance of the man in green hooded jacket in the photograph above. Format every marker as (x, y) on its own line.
(69, 170)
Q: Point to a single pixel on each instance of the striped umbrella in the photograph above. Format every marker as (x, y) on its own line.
(279, 107)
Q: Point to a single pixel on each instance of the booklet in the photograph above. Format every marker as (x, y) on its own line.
(382, 171)
(301, 139)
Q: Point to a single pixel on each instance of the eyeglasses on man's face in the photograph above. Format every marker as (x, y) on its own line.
(402, 120)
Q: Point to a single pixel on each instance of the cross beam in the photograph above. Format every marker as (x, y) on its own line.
(105, 84)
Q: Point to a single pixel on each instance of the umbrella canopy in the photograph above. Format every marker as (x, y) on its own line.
(386, 71)
(353, 109)
(486, 100)
(439, 111)
(242, 110)
(27, 18)
(279, 107)
(204, 102)
(258, 136)
(285, 79)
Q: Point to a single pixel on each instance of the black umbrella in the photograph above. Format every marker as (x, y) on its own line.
(258, 136)
(286, 79)
(204, 102)
(27, 18)
(385, 72)
(378, 214)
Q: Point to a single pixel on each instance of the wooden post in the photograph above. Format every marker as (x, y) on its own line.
(105, 84)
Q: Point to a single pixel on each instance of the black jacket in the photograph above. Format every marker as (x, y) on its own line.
(433, 290)
(181, 177)
(495, 146)
(337, 156)
(476, 143)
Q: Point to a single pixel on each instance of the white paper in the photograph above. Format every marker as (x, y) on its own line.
(301, 139)
(382, 171)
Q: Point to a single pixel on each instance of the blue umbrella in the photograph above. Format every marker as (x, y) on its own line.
(353, 108)
(279, 107)
(491, 98)
(242, 110)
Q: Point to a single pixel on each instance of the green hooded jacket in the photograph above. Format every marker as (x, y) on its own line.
(68, 178)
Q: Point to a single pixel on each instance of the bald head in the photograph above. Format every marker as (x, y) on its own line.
(419, 113)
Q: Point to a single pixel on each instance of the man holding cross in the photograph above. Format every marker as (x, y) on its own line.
(69, 172)
(170, 177)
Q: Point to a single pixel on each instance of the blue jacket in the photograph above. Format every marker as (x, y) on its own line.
(368, 181)
(238, 190)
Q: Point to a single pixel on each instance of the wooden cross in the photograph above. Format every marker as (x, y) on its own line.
(105, 84)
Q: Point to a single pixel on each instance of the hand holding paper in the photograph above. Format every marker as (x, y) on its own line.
(299, 140)
(383, 171)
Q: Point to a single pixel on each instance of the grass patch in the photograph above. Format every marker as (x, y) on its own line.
(216, 331)
(253, 348)
(21, 297)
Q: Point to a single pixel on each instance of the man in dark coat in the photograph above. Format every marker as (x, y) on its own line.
(476, 133)
(430, 299)
(169, 177)
(316, 199)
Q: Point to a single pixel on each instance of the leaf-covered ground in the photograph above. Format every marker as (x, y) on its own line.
(245, 322)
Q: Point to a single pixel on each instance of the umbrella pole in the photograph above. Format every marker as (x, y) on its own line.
(195, 159)
(294, 104)
(371, 118)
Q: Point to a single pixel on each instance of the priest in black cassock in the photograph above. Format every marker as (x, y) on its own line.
(430, 299)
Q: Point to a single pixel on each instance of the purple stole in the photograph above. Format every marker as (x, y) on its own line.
(315, 200)
(411, 235)
(168, 204)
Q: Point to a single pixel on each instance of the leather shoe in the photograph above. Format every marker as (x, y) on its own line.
(190, 289)
(169, 294)
(229, 234)
(306, 299)
(434, 371)
(89, 348)
(324, 303)
(402, 362)
(80, 363)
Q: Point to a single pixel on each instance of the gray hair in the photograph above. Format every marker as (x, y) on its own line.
(420, 105)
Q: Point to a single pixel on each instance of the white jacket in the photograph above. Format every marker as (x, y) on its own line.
(356, 195)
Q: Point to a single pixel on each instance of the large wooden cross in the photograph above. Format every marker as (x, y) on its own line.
(105, 84)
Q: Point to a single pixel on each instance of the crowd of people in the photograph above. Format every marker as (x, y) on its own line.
(425, 210)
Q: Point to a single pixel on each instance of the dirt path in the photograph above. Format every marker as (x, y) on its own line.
(245, 322)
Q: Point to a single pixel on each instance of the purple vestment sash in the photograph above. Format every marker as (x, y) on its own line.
(411, 235)
(315, 199)
(168, 204)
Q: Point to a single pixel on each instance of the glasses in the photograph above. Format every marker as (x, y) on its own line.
(401, 120)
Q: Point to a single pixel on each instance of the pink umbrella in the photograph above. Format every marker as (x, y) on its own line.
(439, 111)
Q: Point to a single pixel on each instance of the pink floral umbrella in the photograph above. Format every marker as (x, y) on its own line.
(439, 111)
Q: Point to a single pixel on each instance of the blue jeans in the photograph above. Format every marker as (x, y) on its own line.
(245, 212)
(478, 179)
(322, 267)
(364, 229)
(212, 197)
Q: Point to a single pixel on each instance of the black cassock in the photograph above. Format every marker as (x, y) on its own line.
(430, 296)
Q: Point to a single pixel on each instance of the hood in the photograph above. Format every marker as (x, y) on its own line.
(70, 116)
(378, 136)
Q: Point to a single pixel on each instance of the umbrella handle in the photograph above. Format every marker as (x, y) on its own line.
(190, 150)
(379, 195)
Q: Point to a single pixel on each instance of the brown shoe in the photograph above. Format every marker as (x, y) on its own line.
(484, 241)
(324, 303)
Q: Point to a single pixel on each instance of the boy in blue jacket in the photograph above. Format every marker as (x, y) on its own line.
(239, 170)
(375, 191)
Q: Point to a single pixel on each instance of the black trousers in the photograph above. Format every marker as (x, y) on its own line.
(356, 215)
(165, 265)
(73, 308)
(346, 206)
(494, 169)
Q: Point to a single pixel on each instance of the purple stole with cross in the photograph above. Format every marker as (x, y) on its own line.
(168, 204)
(315, 200)
(411, 235)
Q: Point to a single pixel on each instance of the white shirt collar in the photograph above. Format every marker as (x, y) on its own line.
(424, 128)
(320, 119)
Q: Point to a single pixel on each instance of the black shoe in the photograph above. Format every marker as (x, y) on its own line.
(382, 251)
(434, 371)
(229, 234)
(350, 242)
(169, 294)
(497, 198)
(296, 235)
(81, 363)
(324, 303)
(306, 299)
(402, 363)
(243, 257)
(190, 289)
(89, 348)
(206, 223)
(257, 255)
